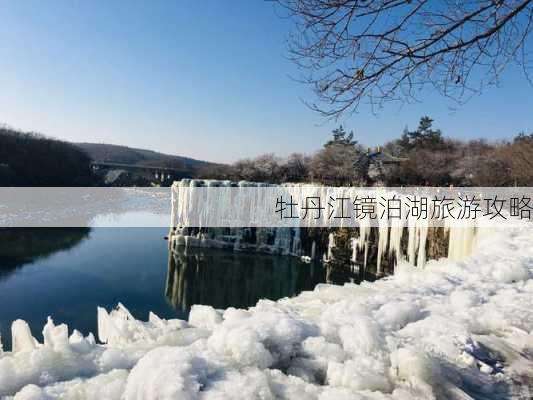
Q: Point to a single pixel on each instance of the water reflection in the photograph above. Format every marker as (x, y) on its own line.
(20, 246)
(225, 279)
(341, 274)
(72, 271)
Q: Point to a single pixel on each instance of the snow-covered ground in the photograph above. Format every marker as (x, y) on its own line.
(450, 330)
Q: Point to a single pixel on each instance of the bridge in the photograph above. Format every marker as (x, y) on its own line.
(159, 173)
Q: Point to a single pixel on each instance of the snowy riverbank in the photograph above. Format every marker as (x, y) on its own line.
(451, 330)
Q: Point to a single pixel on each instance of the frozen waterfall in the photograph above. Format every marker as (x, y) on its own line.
(395, 240)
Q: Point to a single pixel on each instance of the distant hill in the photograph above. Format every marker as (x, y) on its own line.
(30, 159)
(112, 153)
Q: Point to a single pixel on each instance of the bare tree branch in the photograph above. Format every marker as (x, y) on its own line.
(374, 51)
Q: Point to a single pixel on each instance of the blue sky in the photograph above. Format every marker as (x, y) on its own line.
(205, 79)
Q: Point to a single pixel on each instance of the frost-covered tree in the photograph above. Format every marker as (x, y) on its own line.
(264, 168)
(295, 168)
(338, 163)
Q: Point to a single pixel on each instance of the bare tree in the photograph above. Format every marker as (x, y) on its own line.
(295, 168)
(264, 168)
(354, 51)
(518, 156)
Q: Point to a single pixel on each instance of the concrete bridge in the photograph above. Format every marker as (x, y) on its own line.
(161, 174)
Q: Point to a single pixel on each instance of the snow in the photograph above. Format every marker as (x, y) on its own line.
(453, 329)
(167, 373)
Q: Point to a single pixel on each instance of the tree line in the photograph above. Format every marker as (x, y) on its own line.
(30, 159)
(421, 157)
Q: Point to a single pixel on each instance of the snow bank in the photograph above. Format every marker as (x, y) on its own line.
(450, 330)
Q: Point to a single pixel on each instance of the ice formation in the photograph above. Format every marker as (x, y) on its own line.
(453, 330)
(284, 241)
(287, 240)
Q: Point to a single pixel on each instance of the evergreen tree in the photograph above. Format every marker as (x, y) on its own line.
(341, 137)
(424, 137)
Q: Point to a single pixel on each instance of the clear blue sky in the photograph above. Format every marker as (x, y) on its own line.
(205, 79)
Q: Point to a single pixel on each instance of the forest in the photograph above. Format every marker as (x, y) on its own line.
(30, 159)
(420, 157)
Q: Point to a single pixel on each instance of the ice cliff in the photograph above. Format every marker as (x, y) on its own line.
(370, 246)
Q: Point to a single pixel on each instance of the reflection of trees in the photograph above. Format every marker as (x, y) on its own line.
(226, 279)
(338, 275)
(19, 246)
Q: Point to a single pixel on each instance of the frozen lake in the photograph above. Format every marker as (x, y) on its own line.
(67, 272)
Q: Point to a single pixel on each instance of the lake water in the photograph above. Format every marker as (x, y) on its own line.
(66, 273)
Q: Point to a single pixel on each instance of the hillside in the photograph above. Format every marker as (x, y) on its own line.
(30, 159)
(111, 153)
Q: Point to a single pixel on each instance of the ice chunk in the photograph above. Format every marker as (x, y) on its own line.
(268, 335)
(166, 373)
(417, 368)
(106, 328)
(510, 271)
(464, 299)
(365, 373)
(108, 386)
(204, 317)
(248, 383)
(318, 347)
(55, 337)
(80, 343)
(113, 358)
(243, 345)
(396, 315)
(21, 336)
(32, 392)
(450, 330)
(120, 328)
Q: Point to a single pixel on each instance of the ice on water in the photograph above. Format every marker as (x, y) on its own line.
(454, 329)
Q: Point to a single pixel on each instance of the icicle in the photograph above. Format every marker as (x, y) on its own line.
(362, 242)
(282, 240)
(21, 337)
(411, 243)
(331, 245)
(237, 244)
(461, 242)
(383, 233)
(422, 238)
(395, 241)
(296, 241)
(354, 249)
(364, 230)
(366, 255)
(288, 241)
